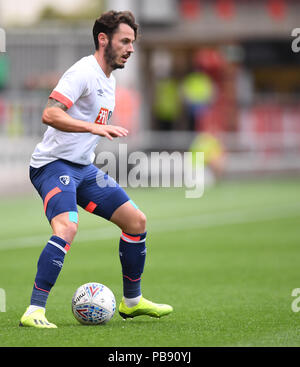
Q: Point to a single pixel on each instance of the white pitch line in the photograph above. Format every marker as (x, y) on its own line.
(167, 225)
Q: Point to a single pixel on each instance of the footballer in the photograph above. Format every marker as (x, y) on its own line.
(63, 173)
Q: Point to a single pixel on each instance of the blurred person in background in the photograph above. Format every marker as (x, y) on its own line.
(214, 156)
(167, 102)
(198, 92)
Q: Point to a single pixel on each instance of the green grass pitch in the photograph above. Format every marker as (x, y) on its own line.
(227, 262)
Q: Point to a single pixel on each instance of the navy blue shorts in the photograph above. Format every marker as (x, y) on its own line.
(63, 185)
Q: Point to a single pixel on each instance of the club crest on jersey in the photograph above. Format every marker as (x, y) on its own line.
(103, 116)
(65, 180)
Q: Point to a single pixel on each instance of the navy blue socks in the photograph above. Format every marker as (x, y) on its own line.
(49, 266)
(132, 251)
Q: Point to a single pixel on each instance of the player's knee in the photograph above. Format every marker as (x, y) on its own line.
(67, 232)
(142, 222)
(72, 230)
(138, 224)
(65, 229)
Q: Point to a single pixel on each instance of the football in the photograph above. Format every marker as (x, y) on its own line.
(93, 304)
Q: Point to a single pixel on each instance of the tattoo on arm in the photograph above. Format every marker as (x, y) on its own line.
(54, 103)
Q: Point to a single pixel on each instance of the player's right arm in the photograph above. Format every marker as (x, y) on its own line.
(55, 115)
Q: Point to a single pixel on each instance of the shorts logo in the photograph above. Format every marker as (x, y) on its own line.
(65, 180)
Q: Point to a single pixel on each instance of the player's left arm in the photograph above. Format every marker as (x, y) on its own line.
(55, 115)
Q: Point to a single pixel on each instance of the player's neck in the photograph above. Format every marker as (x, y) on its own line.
(101, 61)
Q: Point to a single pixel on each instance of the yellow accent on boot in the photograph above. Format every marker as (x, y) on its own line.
(36, 319)
(144, 307)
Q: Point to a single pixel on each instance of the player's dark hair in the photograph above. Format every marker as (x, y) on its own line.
(108, 23)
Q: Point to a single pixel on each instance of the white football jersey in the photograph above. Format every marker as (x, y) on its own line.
(90, 96)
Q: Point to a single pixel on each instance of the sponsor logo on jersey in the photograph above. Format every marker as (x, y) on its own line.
(103, 116)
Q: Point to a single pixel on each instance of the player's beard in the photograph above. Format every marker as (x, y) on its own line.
(110, 56)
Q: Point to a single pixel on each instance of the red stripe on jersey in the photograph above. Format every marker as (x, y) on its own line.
(61, 98)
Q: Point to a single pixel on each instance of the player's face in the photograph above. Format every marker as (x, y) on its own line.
(120, 47)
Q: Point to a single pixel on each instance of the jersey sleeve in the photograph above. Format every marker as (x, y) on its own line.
(72, 85)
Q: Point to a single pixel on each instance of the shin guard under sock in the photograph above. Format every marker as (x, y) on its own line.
(49, 266)
(132, 251)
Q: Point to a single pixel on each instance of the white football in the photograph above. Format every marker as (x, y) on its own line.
(93, 304)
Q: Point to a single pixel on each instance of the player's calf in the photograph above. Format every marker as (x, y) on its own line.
(132, 251)
(49, 266)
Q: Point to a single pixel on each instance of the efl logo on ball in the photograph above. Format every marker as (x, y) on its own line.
(93, 304)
